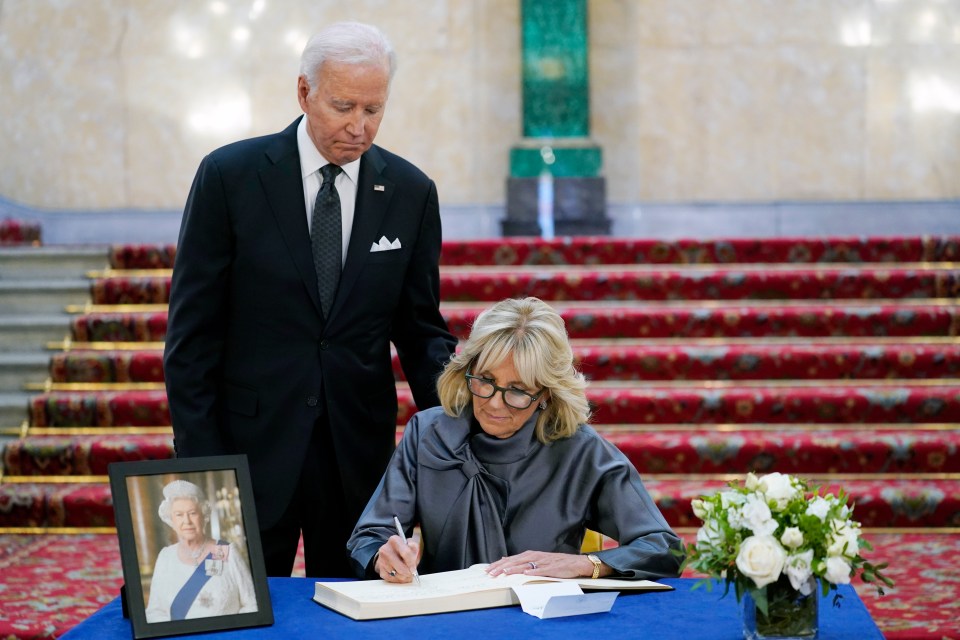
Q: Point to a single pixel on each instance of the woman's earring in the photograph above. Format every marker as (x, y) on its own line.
(543, 405)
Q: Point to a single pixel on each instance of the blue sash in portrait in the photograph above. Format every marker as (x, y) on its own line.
(191, 588)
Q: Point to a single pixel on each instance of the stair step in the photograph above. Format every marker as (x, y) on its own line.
(636, 320)
(799, 452)
(622, 362)
(80, 455)
(842, 402)
(51, 262)
(26, 504)
(14, 408)
(878, 502)
(142, 256)
(18, 368)
(610, 250)
(632, 283)
(742, 282)
(42, 296)
(18, 231)
(31, 332)
(755, 319)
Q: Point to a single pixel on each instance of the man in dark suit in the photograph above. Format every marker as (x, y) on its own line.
(266, 357)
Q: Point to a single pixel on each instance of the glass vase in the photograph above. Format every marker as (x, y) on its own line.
(790, 614)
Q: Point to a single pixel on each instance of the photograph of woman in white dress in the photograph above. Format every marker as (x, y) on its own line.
(197, 576)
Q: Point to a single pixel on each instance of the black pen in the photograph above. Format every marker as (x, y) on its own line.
(396, 521)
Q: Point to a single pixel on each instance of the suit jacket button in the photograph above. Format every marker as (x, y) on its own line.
(312, 401)
(323, 345)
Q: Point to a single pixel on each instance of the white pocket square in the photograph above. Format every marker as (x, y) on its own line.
(384, 245)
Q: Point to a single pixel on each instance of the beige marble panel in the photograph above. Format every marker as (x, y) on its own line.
(666, 23)
(671, 141)
(699, 23)
(823, 22)
(61, 31)
(615, 96)
(421, 121)
(817, 112)
(496, 121)
(738, 87)
(919, 22)
(61, 117)
(913, 123)
(458, 126)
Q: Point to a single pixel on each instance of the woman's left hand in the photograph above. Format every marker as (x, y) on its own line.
(541, 563)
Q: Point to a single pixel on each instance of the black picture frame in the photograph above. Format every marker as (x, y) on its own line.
(231, 525)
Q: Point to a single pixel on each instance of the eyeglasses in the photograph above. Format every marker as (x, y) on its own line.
(484, 388)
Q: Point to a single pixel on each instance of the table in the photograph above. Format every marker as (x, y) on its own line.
(654, 615)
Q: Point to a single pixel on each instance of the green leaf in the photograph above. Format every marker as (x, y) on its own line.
(760, 599)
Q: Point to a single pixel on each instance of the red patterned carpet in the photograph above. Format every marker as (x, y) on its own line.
(14, 232)
(49, 583)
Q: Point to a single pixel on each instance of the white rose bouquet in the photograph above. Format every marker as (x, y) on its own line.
(773, 528)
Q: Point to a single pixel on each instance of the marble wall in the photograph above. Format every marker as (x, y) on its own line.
(111, 103)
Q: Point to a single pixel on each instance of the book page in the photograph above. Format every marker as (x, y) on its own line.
(432, 585)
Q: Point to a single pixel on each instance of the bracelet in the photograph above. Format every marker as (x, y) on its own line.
(596, 565)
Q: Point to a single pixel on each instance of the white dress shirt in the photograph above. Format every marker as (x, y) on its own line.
(346, 183)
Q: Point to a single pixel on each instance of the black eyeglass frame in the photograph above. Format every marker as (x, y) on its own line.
(502, 390)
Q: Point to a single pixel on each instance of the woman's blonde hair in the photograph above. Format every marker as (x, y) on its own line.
(534, 335)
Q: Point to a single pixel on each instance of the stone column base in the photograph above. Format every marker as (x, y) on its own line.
(579, 207)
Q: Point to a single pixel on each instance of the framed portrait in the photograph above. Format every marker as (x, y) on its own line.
(189, 546)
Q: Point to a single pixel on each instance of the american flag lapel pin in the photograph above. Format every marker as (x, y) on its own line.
(378, 187)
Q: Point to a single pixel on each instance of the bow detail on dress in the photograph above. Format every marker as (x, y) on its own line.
(473, 530)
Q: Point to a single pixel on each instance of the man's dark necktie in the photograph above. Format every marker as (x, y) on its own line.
(326, 237)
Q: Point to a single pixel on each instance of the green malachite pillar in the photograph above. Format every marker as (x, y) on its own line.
(556, 124)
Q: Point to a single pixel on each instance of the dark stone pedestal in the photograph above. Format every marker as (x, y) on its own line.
(579, 207)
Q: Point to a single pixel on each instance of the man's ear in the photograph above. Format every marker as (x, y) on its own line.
(303, 89)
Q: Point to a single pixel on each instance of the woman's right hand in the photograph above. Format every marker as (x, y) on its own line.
(397, 561)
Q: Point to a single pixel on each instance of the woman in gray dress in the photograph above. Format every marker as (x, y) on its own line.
(507, 471)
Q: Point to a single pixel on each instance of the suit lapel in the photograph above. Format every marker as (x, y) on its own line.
(283, 185)
(369, 211)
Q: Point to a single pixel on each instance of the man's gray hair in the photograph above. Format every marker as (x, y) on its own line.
(347, 43)
(181, 489)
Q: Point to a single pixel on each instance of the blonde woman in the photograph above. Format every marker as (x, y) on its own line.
(507, 471)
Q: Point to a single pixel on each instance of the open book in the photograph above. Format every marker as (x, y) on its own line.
(470, 588)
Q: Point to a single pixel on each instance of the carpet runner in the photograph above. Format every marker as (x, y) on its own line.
(630, 360)
(834, 358)
(14, 232)
(708, 402)
(603, 250)
(624, 282)
(598, 320)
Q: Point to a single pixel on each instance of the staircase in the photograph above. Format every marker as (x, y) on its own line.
(36, 284)
(835, 359)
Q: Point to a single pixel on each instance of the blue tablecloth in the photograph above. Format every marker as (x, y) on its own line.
(681, 614)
